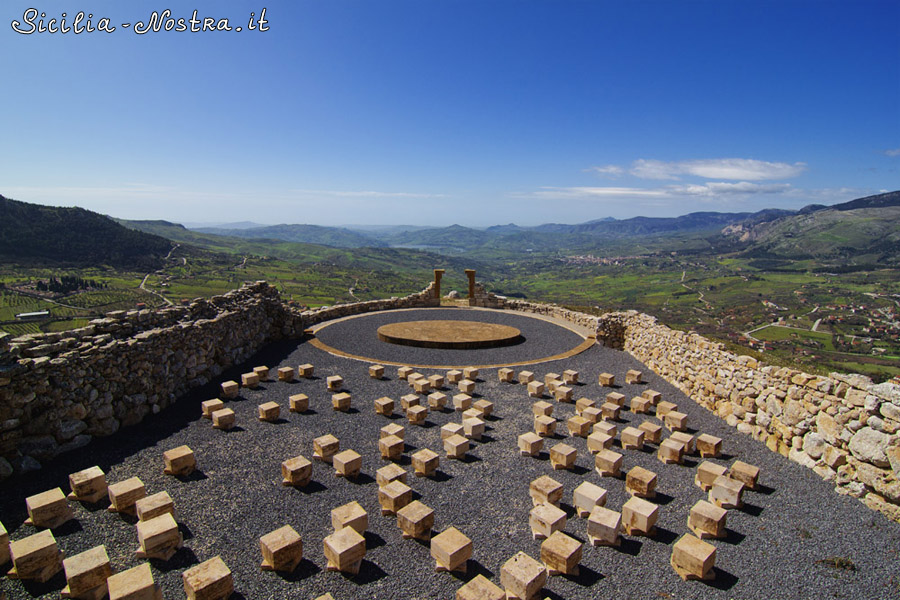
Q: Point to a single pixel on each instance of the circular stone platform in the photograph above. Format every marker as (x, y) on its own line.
(465, 335)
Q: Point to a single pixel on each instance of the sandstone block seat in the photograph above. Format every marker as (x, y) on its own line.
(341, 402)
(545, 490)
(179, 461)
(664, 408)
(134, 584)
(230, 389)
(88, 486)
(693, 558)
(456, 446)
(250, 380)
(451, 550)
(745, 473)
(415, 520)
(282, 550)
(639, 517)
(86, 574)
(48, 509)
(633, 376)
(597, 442)
(606, 379)
(384, 406)
(608, 463)
(641, 483)
(466, 386)
(536, 389)
(632, 438)
(208, 407)
(296, 471)
(422, 386)
(640, 405)
(544, 426)
(610, 411)
(652, 432)
(158, 537)
(299, 403)
(526, 377)
(570, 376)
(485, 407)
(437, 401)
(154, 505)
(436, 381)
(605, 427)
(578, 426)
(583, 403)
(603, 527)
(709, 446)
(325, 447)
(210, 580)
(471, 373)
(394, 496)
(404, 373)
(480, 588)
(652, 395)
(670, 451)
(454, 376)
(306, 371)
(223, 419)
(345, 550)
(473, 428)
(347, 463)
(707, 520)
(562, 456)
(124, 494)
(391, 447)
(542, 407)
(393, 429)
(616, 398)
(425, 462)
(36, 557)
(350, 515)
(505, 375)
(561, 554)
(544, 519)
(726, 492)
(451, 429)
(376, 371)
(269, 411)
(389, 473)
(286, 374)
(676, 421)
(262, 372)
(586, 497)
(707, 472)
(334, 383)
(563, 393)
(417, 415)
(462, 402)
(530, 444)
(522, 577)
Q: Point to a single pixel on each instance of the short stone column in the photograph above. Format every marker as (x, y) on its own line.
(470, 273)
(438, 273)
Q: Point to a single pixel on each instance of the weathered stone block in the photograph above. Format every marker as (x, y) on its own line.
(451, 550)
(376, 371)
(530, 444)
(437, 401)
(583, 403)
(640, 405)
(384, 406)
(35, 557)
(676, 421)
(393, 429)
(404, 373)
(86, 574)
(707, 520)
(592, 414)
(562, 456)
(296, 471)
(415, 520)
(134, 584)
(179, 461)
(270, 411)
(603, 527)
(652, 432)
(745, 473)
(210, 580)
(542, 407)
(230, 389)
(409, 400)
(436, 381)
(616, 398)
(466, 386)
(473, 428)
(544, 519)
(416, 415)
(544, 426)
(610, 411)
(299, 403)
(545, 490)
(605, 427)
(306, 371)
(345, 550)
(286, 374)
(223, 419)
(347, 463)
(522, 577)
(154, 506)
(549, 377)
(124, 494)
(586, 497)
(470, 373)
(570, 376)
(526, 376)
(394, 496)
(670, 452)
(462, 402)
(341, 402)
(598, 441)
(505, 375)
(480, 588)
(454, 376)
(536, 389)
(562, 393)
(425, 462)
(608, 463)
(456, 446)
(282, 550)
(707, 473)
(422, 386)
(652, 395)
(88, 485)
(685, 439)
(350, 515)
(208, 407)
(606, 379)
(325, 447)
(485, 407)
(693, 558)
(391, 447)
(633, 376)
(561, 554)
(334, 383)
(389, 473)
(664, 408)
(709, 446)
(4, 545)
(639, 517)
(726, 492)
(578, 426)
(262, 372)
(641, 482)
(158, 537)
(250, 380)
(632, 438)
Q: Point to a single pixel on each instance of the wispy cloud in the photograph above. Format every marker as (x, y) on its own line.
(721, 188)
(607, 170)
(717, 168)
(893, 152)
(609, 193)
(366, 194)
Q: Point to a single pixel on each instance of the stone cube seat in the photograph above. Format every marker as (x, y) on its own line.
(544, 519)
(707, 520)
(341, 402)
(250, 380)
(633, 376)
(586, 497)
(282, 550)
(473, 428)
(542, 407)
(124, 494)
(523, 577)
(709, 446)
(48, 509)
(652, 432)
(88, 486)
(480, 588)
(456, 446)
(563, 393)
(583, 403)
(471, 373)
(425, 462)
(154, 505)
(640, 405)
(391, 447)
(676, 421)
(36, 557)
(578, 426)
(605, 427)
(306, 371)
(530, 444)
(210, 580)
(551, 377)
(436, 381)
(570, 376)
(726, 492)
(347, 463)
(686, 440)
(462, 402)
(608, 463)
(544, 426)
(664, 408)
(526, 377)
(505, 375)
(561, 553)
(334, 383)
(639, 517)
(536, 389)
(158, 537)
(486, 407)
(389, 473)
(223, 419)
(230, 389)
(606, 379)
(299, 403)
(269, 412)
(641, 482)
(693, 558)
(350, 515)
(286, 374)
(208, 407)
(135, 583)
(451, 550)
(597, 442)
(652, 395)
(610, 411)
(545, 490)
(384, 406)
(179, 461)
(393, 429)
(376, 371)
(707, 472)
(466, 386)
(562, 456)
(451, 429)
(604, 526)
(404, 372)
(745, 473)
(415, 520)
(394, 496)
(616, 398)
(632, 438)
(670, 452)
(86, 574)
(454, 376)
(437, 401)
(417, 415)
(296, 471)
(325, 447)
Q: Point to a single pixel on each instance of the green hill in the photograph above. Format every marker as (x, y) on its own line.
(309, 234)
(35, 234)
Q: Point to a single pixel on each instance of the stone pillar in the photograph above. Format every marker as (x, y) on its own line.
(470, 273)
(438, 273)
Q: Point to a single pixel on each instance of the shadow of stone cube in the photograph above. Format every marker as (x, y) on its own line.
(639, 517)
(210, 580)
(36, 557)
(586, 497)
(561, 553)
(299, 403)
(451, 550)
(707, 520)
(48, 509)
(350, 515)
(693, 558)
(394, 496)
(86, 574)
(296, 471)
(282, 550)
(522, 577)
(134, 584)
(544, 519)
(154, 505)
(480, 588)
(603, 527)
(179, 461)
(88, 485)
(124, 494)
(415, 520)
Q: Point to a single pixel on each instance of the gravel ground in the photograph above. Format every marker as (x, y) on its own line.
(775, 547)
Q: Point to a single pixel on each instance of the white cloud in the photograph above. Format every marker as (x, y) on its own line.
(721, 188)
(611, 193)
(366, 194)
(607, 170)
(716, 168)
(705, 191)
(893, 152)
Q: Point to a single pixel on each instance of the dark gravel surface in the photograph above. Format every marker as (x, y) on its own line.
(774, 548)
(358, 336)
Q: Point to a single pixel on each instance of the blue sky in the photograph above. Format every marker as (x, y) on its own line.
(452, 111)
